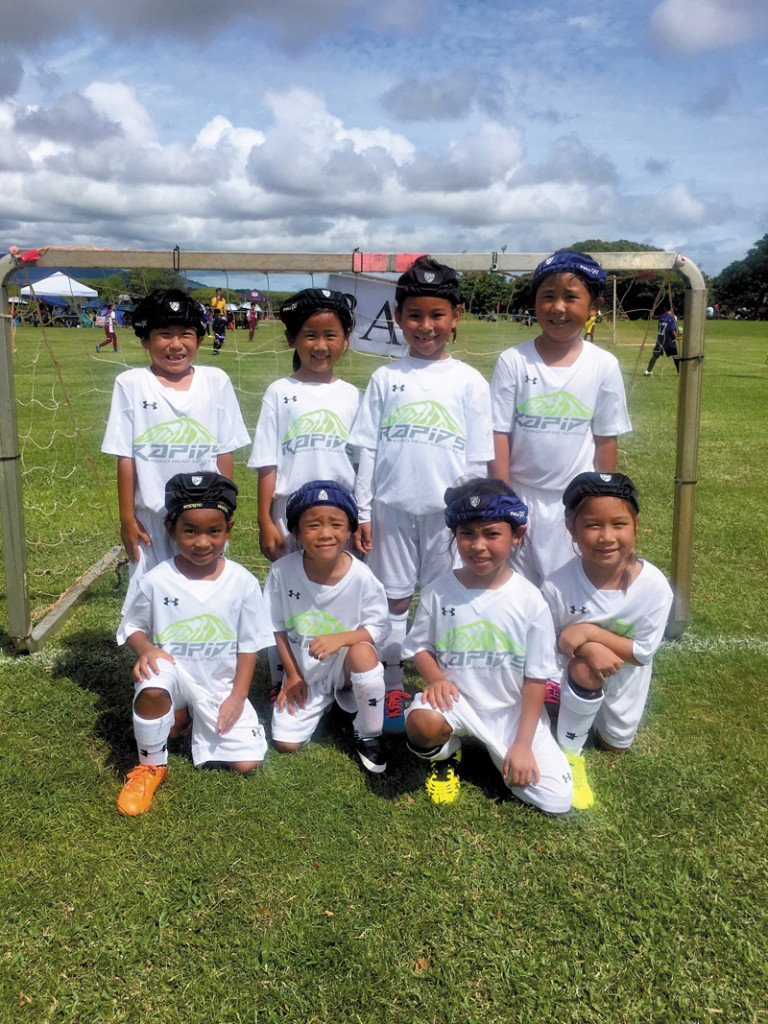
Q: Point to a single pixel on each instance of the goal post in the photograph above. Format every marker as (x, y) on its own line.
(20, 624)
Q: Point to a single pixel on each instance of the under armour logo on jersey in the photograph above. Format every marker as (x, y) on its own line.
(398, 387)
(372, 702)
(581, 608)
(294, 593)
(171, 600)
(149, 405)
(290, 398)
(531, 380)
(448, 610)
(570, 735)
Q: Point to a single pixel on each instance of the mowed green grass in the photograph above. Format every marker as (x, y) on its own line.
(309, 894)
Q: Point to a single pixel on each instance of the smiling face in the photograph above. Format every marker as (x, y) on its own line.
(485, 549)
(563, 306)
(200, 534)
(428, 324)
(172, 350)
(605, 531)
(323, 532)
(319, 344)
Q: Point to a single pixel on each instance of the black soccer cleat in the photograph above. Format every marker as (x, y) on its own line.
(372, 753)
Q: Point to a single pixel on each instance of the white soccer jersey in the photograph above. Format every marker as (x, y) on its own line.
(202, 623)
(304, 430)
(486, 641)
(552, 413)
(166, 431)
(640, 614)
(304, 609)
(426, 420)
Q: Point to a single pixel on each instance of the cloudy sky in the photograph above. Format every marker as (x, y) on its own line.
(407, 125)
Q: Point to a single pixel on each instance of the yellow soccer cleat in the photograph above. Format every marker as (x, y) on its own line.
(443, 782)
(139, 789)
(583, 797)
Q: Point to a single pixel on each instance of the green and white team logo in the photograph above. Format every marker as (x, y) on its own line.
(479, 645)
(554, 413)
(203, 636)
(184, 439)
(619, 628)
(424, 423)
(321, 430)
(303, 627)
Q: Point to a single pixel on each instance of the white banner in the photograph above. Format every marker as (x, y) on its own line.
(375, 328)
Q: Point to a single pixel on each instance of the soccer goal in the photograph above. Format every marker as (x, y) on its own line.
(60, 529)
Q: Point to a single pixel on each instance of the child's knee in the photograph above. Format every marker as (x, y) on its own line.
(603, 744)
(152, 702)
(427, 728)
(582, 674)
(361, 657)
(244, 767)
(287, 748)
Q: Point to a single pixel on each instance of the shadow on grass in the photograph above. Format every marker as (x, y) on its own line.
(93, 660)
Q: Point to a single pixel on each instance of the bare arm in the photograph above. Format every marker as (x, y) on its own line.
(271, 540)
(232, 706)
(520, 767)
(606, 454)
(225, 463)
(131, 530)
(499, 468)
(322, 647)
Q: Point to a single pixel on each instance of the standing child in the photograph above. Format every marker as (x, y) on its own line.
(219, 326)
(110, 329)
(253, 321)
(558, 406)
(666, 341)
(424, 422)
(329, 614)
(166, 418)
(483, 642)
(196, 623)
(610, 609)
(305, 419)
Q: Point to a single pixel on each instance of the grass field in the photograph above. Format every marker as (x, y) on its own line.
(308, 893)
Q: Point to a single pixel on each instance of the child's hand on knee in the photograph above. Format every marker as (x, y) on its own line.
(441, 694)
(520, 767)
(146, 666)
(292, 696)
(229, 712)
(322, 647)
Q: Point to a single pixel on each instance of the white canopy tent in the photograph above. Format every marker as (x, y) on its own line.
(60, 284)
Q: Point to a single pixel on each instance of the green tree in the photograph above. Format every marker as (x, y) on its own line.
(142, 281)
(745, 282)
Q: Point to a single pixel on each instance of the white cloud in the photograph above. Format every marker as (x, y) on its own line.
(691, 26)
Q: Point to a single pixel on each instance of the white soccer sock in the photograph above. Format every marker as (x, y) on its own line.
(441, 753)
(151, 736)
(368, 688)
(392, 652)
(575, 718)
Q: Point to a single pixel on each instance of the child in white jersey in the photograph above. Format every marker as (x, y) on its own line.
(423, 424)
(558, 406)
(166, 418)
(305, 419)
(610, 609)
(329, 613)
(196, 623)
(483, 642)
